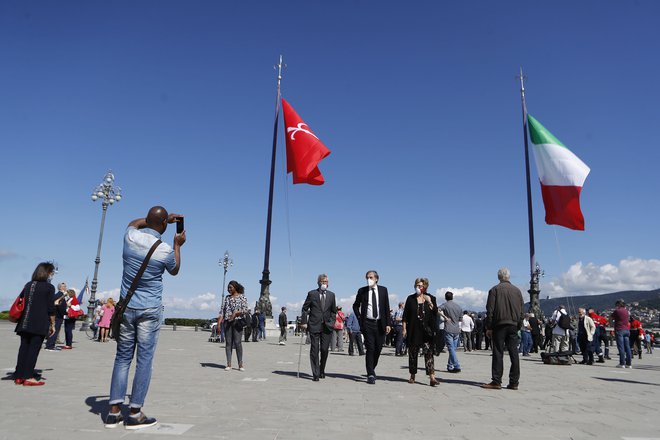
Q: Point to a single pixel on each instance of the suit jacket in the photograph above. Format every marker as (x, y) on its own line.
(362, 303)
(316, 318)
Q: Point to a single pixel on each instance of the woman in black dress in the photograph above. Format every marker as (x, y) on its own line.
(419, 327)
(36, 322)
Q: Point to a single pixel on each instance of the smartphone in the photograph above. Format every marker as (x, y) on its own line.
(179, 225)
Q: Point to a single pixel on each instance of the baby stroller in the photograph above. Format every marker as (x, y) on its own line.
(215, 334)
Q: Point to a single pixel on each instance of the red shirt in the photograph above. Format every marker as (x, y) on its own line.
(637, 325)
(599, 320)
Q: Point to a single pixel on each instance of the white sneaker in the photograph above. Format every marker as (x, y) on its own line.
(621, 366)
(241, 369)
(282, 343)
(228, 368)
(629, 366)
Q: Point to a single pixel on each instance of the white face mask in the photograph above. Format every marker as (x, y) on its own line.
(418, 290)
(371, 282)
(324, 287)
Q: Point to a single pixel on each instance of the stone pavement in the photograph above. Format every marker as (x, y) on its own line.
(193, 396)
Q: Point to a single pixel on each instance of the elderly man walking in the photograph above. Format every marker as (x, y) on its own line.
(504, 319)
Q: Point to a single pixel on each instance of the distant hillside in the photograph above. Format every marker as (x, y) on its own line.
(646, 298)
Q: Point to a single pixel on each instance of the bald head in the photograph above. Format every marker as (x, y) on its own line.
(157, 219)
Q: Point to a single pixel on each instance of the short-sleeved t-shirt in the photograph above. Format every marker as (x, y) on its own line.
(621, 319)
(149, 291)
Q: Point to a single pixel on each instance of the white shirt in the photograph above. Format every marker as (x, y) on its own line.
(467, 324)
(370, 306)
(556, 330)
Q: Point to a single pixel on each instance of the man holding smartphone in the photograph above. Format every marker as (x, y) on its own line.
(140, 325)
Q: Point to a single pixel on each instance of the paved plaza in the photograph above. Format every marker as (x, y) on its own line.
(193, 397)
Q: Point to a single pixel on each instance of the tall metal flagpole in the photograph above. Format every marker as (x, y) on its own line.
(534, 269)
(265, 305)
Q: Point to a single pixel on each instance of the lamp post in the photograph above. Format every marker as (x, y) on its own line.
(226, 263)
(108, 194)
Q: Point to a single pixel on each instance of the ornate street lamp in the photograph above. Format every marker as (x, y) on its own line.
(108, 194)
(225, 263)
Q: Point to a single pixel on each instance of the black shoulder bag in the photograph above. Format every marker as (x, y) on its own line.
(120, 308)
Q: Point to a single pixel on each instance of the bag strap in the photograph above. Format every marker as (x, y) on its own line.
(136, 280)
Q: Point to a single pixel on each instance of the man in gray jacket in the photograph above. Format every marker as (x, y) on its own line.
(504, 319)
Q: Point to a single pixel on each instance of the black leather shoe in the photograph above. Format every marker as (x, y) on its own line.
(315, 378)
(371, 380)
(322, 376)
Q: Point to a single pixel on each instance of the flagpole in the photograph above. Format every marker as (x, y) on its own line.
(265, 305)
(534, 269)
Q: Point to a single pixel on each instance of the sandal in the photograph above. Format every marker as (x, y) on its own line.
(412, 379)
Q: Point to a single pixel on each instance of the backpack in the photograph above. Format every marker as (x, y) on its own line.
(561, 358)
(564, 322)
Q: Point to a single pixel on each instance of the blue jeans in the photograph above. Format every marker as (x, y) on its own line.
(623, 345)
(451, 341)
(526, 344)
(139, 327)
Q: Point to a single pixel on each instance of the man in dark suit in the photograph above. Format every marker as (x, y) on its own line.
(319, 314)
(372, 307)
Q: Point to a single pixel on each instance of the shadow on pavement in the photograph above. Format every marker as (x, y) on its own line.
(38, 374)
(328, 375)
(636, 382)
(646, 367)
(293, 374)
(211, 365)
(98, 405)
(346, 376)
(444, 379)
(390, 379)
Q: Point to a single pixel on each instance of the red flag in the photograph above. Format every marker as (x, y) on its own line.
(304, 150)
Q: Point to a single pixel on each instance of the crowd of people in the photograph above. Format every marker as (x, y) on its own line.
(419, 327)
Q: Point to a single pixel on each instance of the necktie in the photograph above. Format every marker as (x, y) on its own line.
(322, 301)
(374, 304)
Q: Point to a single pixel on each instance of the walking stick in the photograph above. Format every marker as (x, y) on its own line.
(302, 335)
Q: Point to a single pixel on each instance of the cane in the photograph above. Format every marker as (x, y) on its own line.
(302, 335)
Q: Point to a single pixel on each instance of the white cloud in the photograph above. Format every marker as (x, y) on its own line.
(7, 255)
(113, 293)
(177, 306)
(591, 279)
(468, 298)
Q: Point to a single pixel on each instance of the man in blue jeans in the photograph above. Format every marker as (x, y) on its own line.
(141, 322)
(621, 318)
(452, 313)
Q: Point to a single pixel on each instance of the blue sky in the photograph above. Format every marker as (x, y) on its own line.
(418, 102)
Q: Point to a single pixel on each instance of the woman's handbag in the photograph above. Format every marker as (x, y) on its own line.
(74, 314)
(16, 310)
(120, 307)
(239, 323)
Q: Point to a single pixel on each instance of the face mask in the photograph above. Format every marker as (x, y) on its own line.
(324, 287)
(371, 282)
(418, 290)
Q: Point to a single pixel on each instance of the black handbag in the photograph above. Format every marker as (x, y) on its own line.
(120, 308)
(238, 323)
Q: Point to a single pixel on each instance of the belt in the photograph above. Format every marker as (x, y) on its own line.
(370, 320)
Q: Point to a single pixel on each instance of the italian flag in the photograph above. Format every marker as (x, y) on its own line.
(562, 175)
